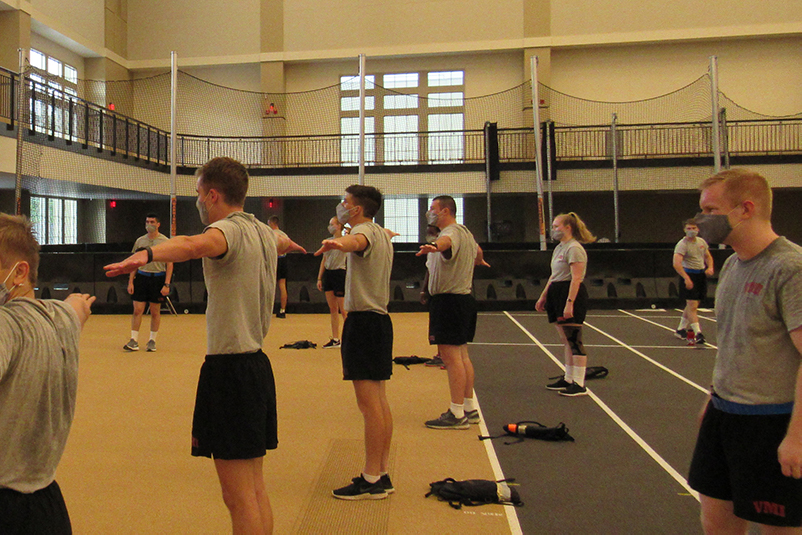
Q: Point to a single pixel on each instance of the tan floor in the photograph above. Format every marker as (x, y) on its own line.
(127, 467)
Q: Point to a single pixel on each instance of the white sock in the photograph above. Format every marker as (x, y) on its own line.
(683, 323)
(695, 327)
(370, 478)
(282, 311)
(469, 404)
(134, 335)
(153, 335)
(569, 373)
(458, 410)
(579, 375)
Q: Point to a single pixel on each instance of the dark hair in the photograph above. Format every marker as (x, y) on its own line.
(151, 215)
(228, 177)
(273, 219)
(368, 197)
(690, 221)
(447, 201)
(17, 243)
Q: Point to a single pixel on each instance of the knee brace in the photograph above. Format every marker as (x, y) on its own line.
(573, 333)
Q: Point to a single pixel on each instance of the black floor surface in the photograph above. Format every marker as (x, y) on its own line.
(626, 471)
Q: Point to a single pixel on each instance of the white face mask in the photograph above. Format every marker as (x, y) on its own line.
(431, 218)
(691, 233)
(5, 292)
(202, 210)
(343, 214)
(150, 228)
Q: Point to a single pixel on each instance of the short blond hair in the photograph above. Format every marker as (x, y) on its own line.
(17, 243)
(742, 185)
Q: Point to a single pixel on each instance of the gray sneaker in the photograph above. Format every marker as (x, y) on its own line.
(132, 345)
(447, 420)
(151, 346)
(472, 416)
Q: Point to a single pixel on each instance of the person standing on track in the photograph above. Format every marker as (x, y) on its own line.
(235, 407)
(282, 269)
(747, 462)
(565, 299)
(693, 263)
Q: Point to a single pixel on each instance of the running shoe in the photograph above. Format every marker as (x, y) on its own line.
(682, 334)
(472, 416)
(360, 489)
(132, 345)
(151, 346)
(574, 390)
(332, 344)
(281, 315)
(560, 384)
(386, 484)
(447, 420)
(700, 339)
(435, 362)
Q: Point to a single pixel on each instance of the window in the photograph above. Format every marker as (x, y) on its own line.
(54, 67)
(38, 59)
(415, 124)
(52, 87)
(403, 216)
(55, 220)
(349, 148)
(71, 74)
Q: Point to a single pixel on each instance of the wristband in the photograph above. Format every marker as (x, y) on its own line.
(149, 251)
(167, 284)
(570, 300)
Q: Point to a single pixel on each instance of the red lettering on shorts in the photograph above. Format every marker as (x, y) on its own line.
(769, 508)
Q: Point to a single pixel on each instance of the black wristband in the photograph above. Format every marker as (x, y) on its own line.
(150, 254)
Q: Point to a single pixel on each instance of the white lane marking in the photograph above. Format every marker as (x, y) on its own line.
(628, 430)
(701, 310)
(658, 325)
(586, 345)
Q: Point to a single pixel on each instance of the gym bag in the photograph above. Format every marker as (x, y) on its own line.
(474, 492)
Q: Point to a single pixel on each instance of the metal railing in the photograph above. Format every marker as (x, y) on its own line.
(54, 114)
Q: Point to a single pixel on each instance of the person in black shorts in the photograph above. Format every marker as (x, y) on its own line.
(281, 267)
(565, 299)
(693, 263)
(331, 281)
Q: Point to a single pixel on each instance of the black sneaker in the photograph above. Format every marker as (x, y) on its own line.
(682, 334)
(332, 344)
(700, 339)
(386, 484)
(560, 384)
(447, 420)
(281, 315)
(473, 416)
(360, 489)
(574, 390)
(435, 362)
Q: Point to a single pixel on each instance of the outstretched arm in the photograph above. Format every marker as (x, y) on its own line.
(210, 244)
(480, 258)
(348, 244)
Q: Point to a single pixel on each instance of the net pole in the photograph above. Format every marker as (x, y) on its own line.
(361, 119)
(173, 166)
(20, 115)
(614, 144)
(549, 170)
(538, 153)
(716, 137)
(488, 201)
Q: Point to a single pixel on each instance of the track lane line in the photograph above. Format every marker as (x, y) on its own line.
(623, 425)
(658, 324)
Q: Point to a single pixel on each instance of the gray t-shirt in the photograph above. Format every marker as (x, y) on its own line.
(145, 241)
(758, 302)
(565, 254)
(282, 234)
(453, 275)
(693, 252)
(38, 384)
(241, 285)
(367, 281)
(334, 259)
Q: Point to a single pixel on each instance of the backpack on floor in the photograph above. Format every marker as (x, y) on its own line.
(300, 344)
(414, 359)
(472, 492)
(532, 429)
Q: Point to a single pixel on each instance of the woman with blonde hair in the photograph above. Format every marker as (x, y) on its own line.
(565, 299)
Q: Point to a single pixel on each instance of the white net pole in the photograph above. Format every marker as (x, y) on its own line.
(538, 154)
(716, 134)
(173, 165)
(361, 119)
(614, 144)
(20, 114)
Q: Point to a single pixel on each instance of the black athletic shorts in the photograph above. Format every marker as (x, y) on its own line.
(42, 512)
(281, 268)
(699, 290)
(556, 298)
(735, 459)
(148, 287)
(334, 281)
(235, 407)
(367, 347)
(452, 319)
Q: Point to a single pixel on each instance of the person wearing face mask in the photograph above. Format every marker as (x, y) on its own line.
(331, 281)
(693, 263)
(235, 419)
(148, 284)
(747, 462)
(38, 386)
(367, 339)
(450, 261)
(565, 299)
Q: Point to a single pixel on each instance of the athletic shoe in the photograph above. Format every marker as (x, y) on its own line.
(151, 346)
(472, 416)
(281, 315)
(574, 390)
(436, 361)
(360, 489)
(700, 339)
(682, 334)
(447, 420)
(332, 344)
(386, 484)
(560, 384)
(132, 345)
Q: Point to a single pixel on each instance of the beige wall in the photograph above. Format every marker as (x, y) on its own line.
(15, 32)
(81, 19)
(42, 44)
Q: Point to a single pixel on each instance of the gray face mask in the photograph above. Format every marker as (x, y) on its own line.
(431, 218)
(5, 292)
(343, 214)
(202, 211)
(691, 233)
(150, 228)
(713, 228)
(557, 235)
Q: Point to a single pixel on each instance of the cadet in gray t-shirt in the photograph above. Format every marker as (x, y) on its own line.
(693, 263)
(367, 340)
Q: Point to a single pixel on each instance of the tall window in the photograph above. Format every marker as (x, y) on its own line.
(418, 116)
(55, 220)
(402, 215)
(53, 85)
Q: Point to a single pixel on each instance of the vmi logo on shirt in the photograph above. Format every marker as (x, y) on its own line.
(753, 288)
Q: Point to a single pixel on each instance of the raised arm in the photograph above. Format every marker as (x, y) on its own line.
(351, 243)
(210, 244)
